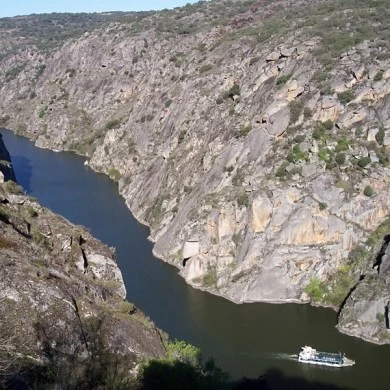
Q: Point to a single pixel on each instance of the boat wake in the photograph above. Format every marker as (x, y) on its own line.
(285, 356)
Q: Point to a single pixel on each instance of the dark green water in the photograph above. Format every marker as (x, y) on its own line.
(246, 340)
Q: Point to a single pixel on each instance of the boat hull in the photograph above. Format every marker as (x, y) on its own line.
(347, 363)
(310, 355)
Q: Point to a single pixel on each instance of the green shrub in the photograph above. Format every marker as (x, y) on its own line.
(378, 234)
(322, 206)
(210, 278)
(340, 158)
(234, 90)
(316, 289)
(32, 212)
(328, 125)
(253, 60)
(180, 350)
(321, 130)
(342, 282)
(364, 161)
(346, 96)
(299, 138)
(378, 76)
(358, 256)
(297, 155)
(380, 317)
(280, 81)
(307, 113)
(5, 243)
(13, 73)
(281, 171)
(296, 108)
(324, 154)
(342, 145)
(114, 174)
(205, 68)
(368, 191)
(380, 136)
(243, 200)
(383, 158)
(3, 214)
(126, 307)
(14, 188)
(113, 124)
(4, 120)
(182, 136)
(245, 130)
(42, 112)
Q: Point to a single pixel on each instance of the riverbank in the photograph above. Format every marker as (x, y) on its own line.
(247, 340)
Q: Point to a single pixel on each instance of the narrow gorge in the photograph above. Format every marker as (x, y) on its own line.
(252, 137)
(64, 318)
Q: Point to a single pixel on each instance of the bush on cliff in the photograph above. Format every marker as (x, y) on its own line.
(182, 369)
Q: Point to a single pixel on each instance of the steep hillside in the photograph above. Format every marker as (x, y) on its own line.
(251, 136)
(63, 314)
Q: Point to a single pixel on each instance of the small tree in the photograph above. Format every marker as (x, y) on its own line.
(340, 158)
(346, 96)
(316, 289)
(368, 191)
(380, 136)
(364, 161)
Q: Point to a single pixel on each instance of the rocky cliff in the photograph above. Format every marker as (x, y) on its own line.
(252, 137)
(63, 312)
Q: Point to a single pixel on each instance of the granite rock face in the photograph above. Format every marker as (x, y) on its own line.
(365, 313)
(262, 151)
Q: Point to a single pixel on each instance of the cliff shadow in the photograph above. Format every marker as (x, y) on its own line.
(157, 375)
(274, 379)
(22, 166)
(179, 375)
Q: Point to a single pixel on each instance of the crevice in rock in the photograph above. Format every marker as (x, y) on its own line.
(185, 261)
(387, 321)
(83, 335)
(361, 278)
(84, 259)
(381, 253)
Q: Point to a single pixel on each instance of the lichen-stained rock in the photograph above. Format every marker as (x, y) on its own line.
(304, 228)
(261, 213)
(327, 109)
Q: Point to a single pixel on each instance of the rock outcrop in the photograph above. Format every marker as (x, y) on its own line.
(250, 151)
(6, 171)
(365, 313)
(63, 298)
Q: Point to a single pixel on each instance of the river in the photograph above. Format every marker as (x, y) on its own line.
(246, 340)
